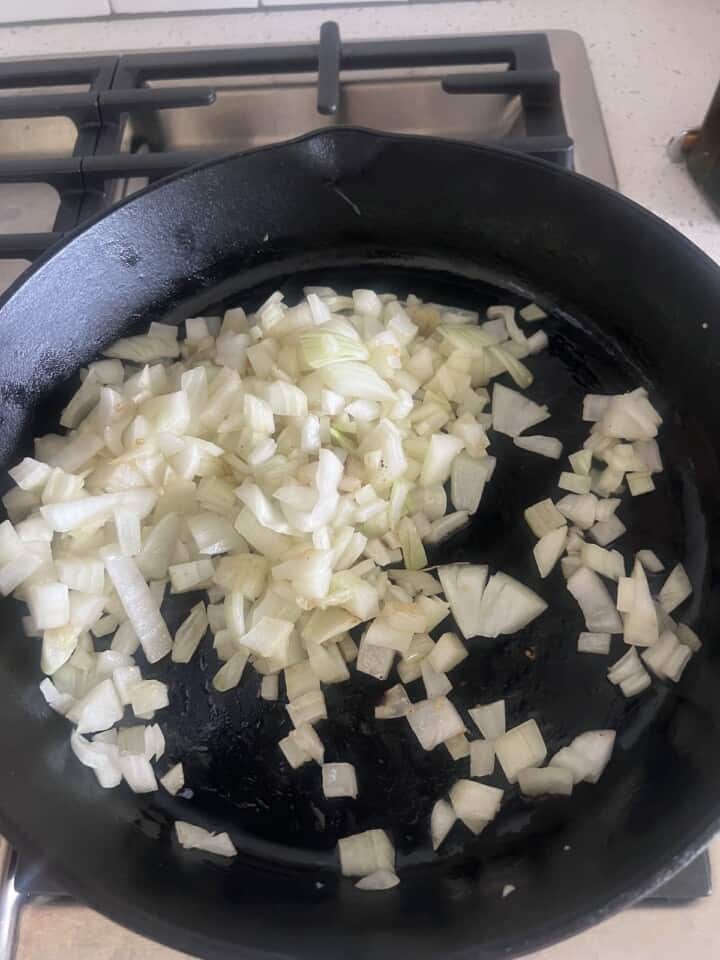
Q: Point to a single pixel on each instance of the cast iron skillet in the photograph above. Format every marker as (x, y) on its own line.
(454, 223)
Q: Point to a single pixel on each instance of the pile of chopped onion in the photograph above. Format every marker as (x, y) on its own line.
(295, 464)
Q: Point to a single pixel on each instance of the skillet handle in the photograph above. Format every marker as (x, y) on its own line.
(329, 59)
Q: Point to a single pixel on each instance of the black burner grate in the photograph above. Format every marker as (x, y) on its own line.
(117, 86)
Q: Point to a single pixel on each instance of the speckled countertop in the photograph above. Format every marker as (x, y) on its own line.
(656, 64)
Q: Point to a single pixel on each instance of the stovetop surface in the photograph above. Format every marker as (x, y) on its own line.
(78, 134)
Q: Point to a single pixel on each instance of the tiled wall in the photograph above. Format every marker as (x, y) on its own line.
(23, 11)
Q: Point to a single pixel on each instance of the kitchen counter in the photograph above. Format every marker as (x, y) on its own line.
(656, 64)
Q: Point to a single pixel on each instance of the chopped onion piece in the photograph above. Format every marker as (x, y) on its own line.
(306, 738)
(59, 702)
(544, 517)
(532, 313)
(102, 758)
(293, 752)
(463, 585)
(579, 509)
(148, 696)
(339, 780)
(548, 550)
(688, 637)
(270, 687)
(309, 708)
(650, 561)
(641, 622)
(174, 779)
(549, 447)
(628, 665)
(354, 379)
(520, 747)
(442, 818)
(581, 462)
(535, 781)
(458, 747)
(192, 837)
(49, 605)
(490, 719)
(475, 803)
(362, 854)
(506, 606)
(192, 575)
(676, 589)
(608, 563)
(640, 483)
(230, 674)
(434, 721)
(468, 477)
(574, 483)
(189, 634)
(299, 680)
(446, 526)
(513, 413)
(375, 661)
(437, 464)
(379, 880)
(140, 607)
(657, 656)
(413, 551)
(635, 684)
(436, 684)
(99, 709)
(676, 662)
(605, 531)
(594, 643)
(587, 756)
(482, 758)
(395, 703)
(447, 653)
(595, 602)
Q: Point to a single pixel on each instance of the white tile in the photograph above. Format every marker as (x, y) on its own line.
(178, 6)
(17, 11)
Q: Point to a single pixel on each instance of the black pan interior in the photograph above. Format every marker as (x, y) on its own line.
(570, 859)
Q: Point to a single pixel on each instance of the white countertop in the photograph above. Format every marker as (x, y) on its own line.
(656, 64)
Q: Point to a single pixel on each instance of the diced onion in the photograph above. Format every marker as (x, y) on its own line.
(535, 781)
(520, 747)
(490, 719)
(434, 721)
(339, 780)
(395, 703)
(594, 601)
(482, 758)
(476, 804)
(441, 822)
(594, 643)
(192, 837)
(549, 447)
(379, 880)
(676, 589)
(587, 756)
(362, 854)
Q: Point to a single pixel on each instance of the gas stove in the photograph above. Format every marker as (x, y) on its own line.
(76, 135)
